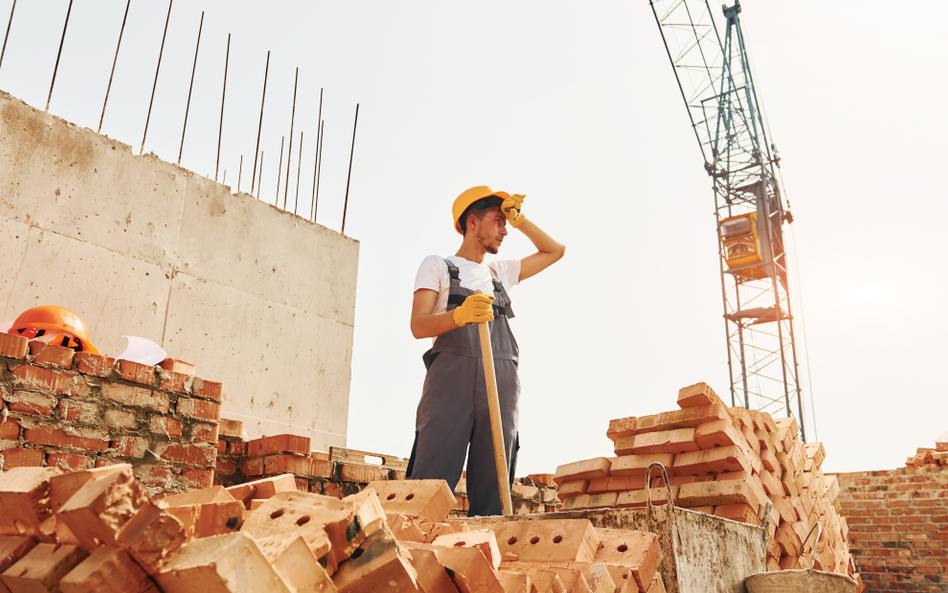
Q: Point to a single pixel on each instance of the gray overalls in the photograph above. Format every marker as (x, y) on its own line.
(453, 419)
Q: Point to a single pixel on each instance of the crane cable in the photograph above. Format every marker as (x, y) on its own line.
(793, 252)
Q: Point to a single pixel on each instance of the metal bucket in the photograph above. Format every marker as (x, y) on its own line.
(799, 581)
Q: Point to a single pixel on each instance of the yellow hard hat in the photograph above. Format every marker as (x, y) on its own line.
(469, 197)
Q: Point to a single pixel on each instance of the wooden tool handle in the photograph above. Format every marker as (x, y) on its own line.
(496, 425)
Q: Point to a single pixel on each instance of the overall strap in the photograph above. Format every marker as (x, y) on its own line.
(500, 296)
(455, 296)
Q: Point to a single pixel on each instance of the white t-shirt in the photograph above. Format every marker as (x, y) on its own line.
(433, 275)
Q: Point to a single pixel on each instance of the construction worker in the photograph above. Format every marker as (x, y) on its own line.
(453, 419)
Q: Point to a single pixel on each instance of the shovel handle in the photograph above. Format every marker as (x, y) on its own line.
(496, 425)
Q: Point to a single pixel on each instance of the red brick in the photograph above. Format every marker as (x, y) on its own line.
(13, 346)
(302, 485)
(198, 478)
(165, 425)
(136, 372)
(119, 418)
(76, 411)
(51, 354)
(221, 447)
(178, 366)
(252, 466)
(237, 449)
(154, 475)
(131, 447)
(204, 433)
(198, 408)
(225, 467)
(30, 403)
(94, 440)
(207, 389)
(284, 443)
(172, 381)
(69, 462)
(316, 487)
(17, 457)
(363, 474)
(94, 364)
(49, 380)
(199, 454)
(332, 489)
(136, 396)
(281, 464)
(9, 429)
(231, 428)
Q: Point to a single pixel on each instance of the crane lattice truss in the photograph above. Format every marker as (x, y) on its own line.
(715, 80)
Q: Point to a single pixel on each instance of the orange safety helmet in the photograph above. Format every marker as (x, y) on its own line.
(54, 325)
(469, 197)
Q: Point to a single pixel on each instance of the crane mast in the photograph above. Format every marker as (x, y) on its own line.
(715, 81)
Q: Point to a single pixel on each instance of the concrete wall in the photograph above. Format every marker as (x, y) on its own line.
(257, 298)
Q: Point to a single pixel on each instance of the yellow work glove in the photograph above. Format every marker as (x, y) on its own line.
(512, 207)
(475, 309)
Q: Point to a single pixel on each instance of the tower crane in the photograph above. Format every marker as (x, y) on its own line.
(714, 77)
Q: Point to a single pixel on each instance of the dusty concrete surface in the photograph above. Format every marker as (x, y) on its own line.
(259, 299)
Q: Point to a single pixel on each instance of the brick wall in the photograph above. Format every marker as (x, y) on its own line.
(898, 527)
(79, 410)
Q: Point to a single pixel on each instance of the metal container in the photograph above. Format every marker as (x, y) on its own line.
(800, 581)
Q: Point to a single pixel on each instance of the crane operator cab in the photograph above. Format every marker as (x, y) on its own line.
(742, 251)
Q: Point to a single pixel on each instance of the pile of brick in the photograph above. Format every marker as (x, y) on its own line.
(78, 410)
(723, 461)
(931, 458)
(98, 531)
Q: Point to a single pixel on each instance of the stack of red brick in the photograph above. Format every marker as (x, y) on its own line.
(723, 461)
(98, 531)
(79, 410)
(930, 458)
(239, 461)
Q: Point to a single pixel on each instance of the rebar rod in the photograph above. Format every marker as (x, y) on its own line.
(154, 85)
(319, 166)
(263, 100)
(114, 61)
(7, 36)
(276, 198)
(220, 131)
(319, 134)
(289, 153)
(187, 108)
(345, 205)
(261, 174)
(240, 171)
(299, 163)
(59, 54)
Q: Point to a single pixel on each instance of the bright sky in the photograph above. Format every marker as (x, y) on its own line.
(575, 105)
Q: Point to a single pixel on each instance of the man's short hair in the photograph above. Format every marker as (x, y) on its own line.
(479, 209)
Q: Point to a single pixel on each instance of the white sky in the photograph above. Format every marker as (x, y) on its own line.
(575, 105)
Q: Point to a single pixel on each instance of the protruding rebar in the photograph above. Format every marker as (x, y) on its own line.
(319, 135)
(299, 163)
(345, 205)
(62, 41)
(276, 198)
(7, 36)
(289, 153)
(157, 70)
(319, 166)
(263, 100)
(240, 172)
(220, 131)
(187, 108)
(261, 174)
(114, 61)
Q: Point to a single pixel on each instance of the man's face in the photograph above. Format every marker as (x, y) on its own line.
(491, 230)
